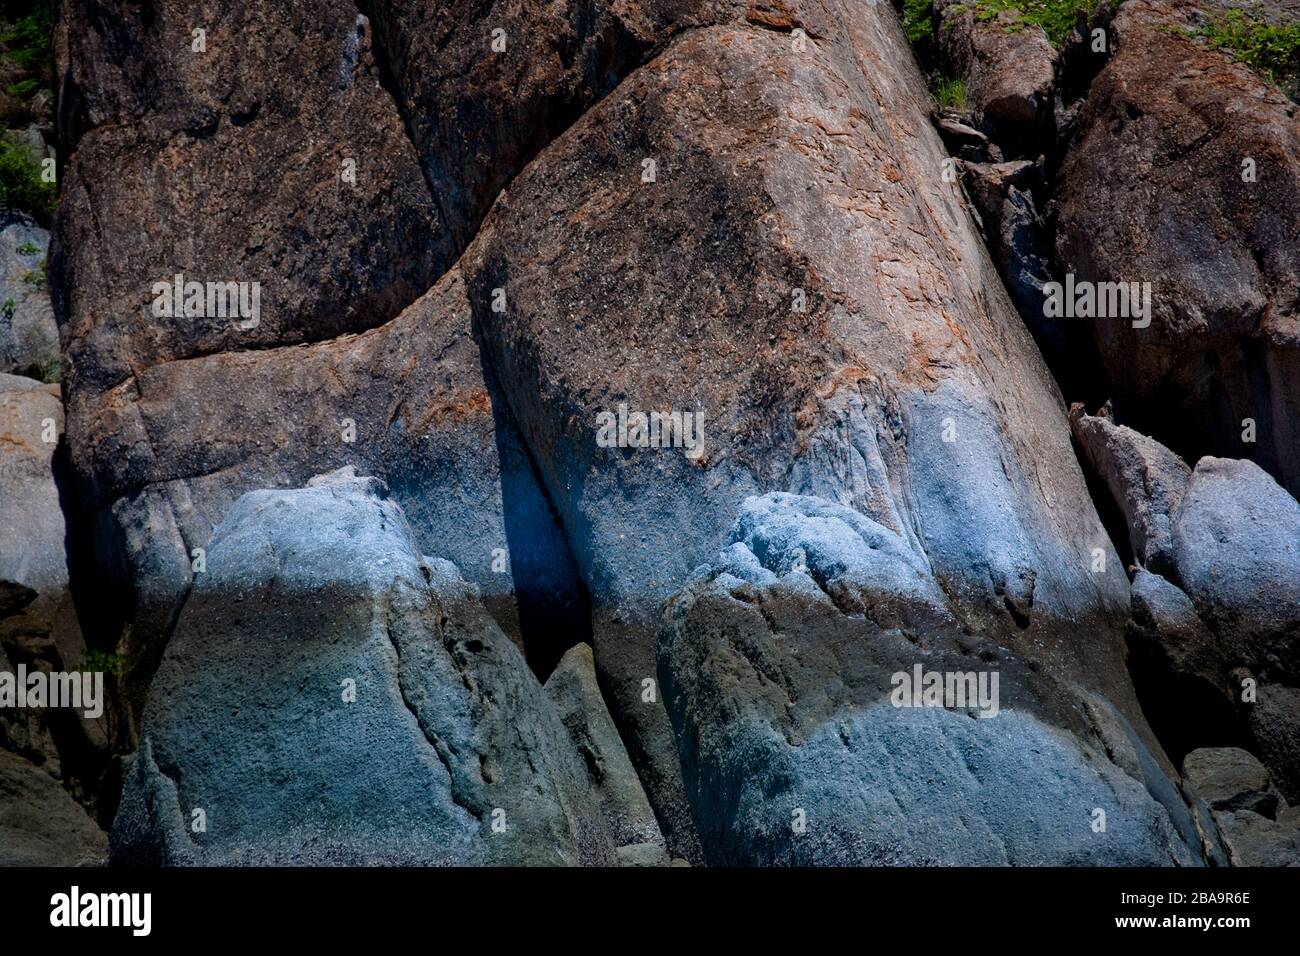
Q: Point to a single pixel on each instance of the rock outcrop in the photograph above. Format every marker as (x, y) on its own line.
(409, 402)
(852, 342)
(1256, 826)
(39, 623)
(665, 328)
(1216, 598)
(330, 696)
(40, 825)
(1185, 174)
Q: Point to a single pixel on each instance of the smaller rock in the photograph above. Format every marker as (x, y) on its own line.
(1254, 840)
(1237, 538)
(40, 824)
(990, 183)
(1229, 778)
(643, 854)
(573, 689)
(1274, 724)
(1145, 478)
(1010, 69)
(963, 140)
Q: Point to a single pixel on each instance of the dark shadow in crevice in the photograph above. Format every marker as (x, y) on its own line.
(92, 774)
(102, 605)
(553, 605)
(1184, 712)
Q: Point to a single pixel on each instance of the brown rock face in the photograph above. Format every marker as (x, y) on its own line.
(201, 154)
(762, 236)
(39, 625)
(1186, 174)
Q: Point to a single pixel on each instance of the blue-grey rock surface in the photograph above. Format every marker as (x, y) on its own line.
(330, 696)
(779, 664)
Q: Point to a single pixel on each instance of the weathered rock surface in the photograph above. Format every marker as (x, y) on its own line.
(1185, 173)
(1229, 778)
(1217, 628)
(1255, 840)
(1145, 478)
(905, 336)
(664, 207)
(1009, 68)
(1237, 541)
(574, 690)
(40, 825)
(1257, 829)
(223, 157)
(409, 402)
(778, 663)
(1017, 238)
(485, 87)
(31, 521)
(29, 336)
(310, 595)
(40, 627)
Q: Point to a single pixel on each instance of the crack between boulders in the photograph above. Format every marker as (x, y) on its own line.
(388, 81)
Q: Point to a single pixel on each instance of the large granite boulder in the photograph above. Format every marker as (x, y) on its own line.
(330, 696)
(818, 293)
(197, 150)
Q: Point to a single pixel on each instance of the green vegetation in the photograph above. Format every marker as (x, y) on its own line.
(918, 20)
(1056, 17)
(28, 44)
(35, 278)
(21, 186)
(104, 661)
(49, 371)
(1273, 50)
(949, 92)
(25, 89)
(28, 249)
